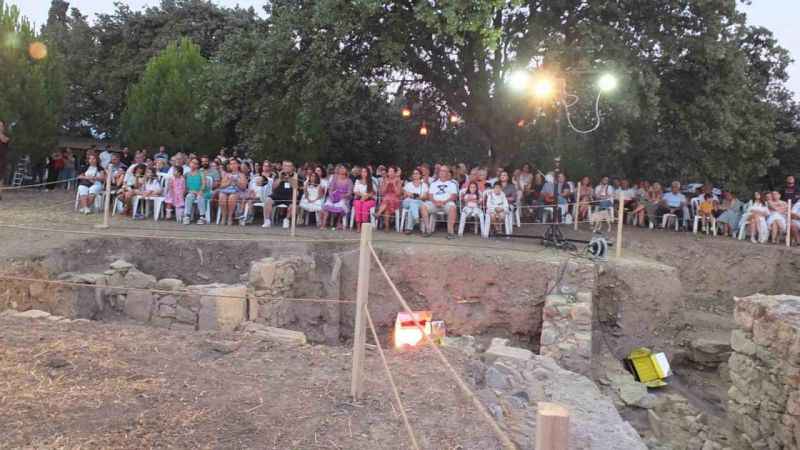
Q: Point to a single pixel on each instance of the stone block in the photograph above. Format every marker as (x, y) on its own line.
(222, 308)
(139, 305)
(275, 334)
(185, 315)
(32, 314)
(710, 351)
(581, 314)
(139, 280)
(169, 284)
(498, 348)
(36, 290)
(121, 265)
(742, 343)
(167, 311)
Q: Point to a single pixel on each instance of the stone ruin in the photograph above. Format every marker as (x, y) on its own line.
(169, 303)
(764, 400)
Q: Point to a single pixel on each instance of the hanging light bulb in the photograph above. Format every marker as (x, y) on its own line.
(423, 130)
(454, 118)
(405, 112)
(520, 123)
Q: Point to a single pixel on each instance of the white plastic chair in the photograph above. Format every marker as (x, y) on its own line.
(713, 221)
(480, 218)
(509, 224)
(668, 218)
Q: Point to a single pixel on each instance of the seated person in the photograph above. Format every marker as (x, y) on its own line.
(443, 194)
(497, 209)
(90, 184)
(281, 193)
(673, 202)
(776, 221)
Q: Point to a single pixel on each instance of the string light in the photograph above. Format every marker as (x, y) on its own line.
(405, 112)
(423, 130)
(37, 50)
(454, 118)
(520, 123)
(607, 83)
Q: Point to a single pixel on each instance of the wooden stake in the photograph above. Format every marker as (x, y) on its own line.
(552, 427)
(107, 200)
(789, 224)
(360, 330)
(621, 217)
(577, 206)
(294, 203)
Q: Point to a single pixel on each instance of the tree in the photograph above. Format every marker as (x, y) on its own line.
(32, 88)
(168, 105)
(126, 40)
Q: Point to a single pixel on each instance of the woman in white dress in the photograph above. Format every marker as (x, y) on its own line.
(90, 184)
(755, 219)
(313, 193)
(776, 221)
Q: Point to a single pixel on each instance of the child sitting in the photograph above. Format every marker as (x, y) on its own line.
(706, 208)
(471, 201)
(496, 208)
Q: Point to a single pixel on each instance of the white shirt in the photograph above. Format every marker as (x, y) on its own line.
(629, 194)
(422, 189)
(495, 200)
(443, 190)
(360, 188)
(105, 159)
(604, 192)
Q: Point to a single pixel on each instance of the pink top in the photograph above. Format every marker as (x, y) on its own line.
(177, 191)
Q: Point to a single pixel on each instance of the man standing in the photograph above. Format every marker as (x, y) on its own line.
(4, 142)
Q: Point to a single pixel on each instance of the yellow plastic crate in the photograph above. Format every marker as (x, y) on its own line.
(650, 368)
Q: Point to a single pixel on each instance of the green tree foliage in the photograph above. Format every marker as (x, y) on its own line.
(168, 105)
(126, 40)
(32, 89)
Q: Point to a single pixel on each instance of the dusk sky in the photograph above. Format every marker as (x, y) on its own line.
(780, 16)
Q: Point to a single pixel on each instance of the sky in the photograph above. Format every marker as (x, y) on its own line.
(780, 16)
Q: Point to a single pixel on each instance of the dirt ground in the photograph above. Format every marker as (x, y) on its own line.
(118, 385)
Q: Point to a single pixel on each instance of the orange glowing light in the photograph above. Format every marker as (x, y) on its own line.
(454, 119)
(423, 130)
(521, 123)
(406, 332)
(406, 112)
(37, 50)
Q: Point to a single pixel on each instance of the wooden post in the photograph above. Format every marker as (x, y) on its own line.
(294, 203)
(621, 217)
(577, 206)
(789, 223)
(552, 427)
(106, 200)
(360, 330)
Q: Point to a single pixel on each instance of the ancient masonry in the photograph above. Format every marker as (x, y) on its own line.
(125, 290)
(567, 331)
(764, 401)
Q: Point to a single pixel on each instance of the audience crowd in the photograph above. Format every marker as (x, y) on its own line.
(194, 188)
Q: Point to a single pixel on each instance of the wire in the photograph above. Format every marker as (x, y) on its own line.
(567, 105)
(161, 291)
(391, 382)
(501, 435)
(16, 188)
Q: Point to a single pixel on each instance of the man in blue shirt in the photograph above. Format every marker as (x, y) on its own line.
(673, 202)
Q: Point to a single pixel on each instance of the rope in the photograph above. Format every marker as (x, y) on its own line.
(409, 430)
(161, 291)
(177, 238)
(501, 435)
(15, 188)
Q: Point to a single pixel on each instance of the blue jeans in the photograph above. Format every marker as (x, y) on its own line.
(191, 200)
(412, 205)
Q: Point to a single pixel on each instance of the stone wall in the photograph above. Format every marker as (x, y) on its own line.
(512, 381)
(764, 400)
(567, 331)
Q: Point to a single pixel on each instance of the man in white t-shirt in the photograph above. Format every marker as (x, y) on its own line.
(604, 192)
(442, 195)
(105, 158)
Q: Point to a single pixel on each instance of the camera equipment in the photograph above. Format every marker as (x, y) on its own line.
(598, 247)
(553, 238)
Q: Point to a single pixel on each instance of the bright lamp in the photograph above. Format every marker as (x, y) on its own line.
(607, 83)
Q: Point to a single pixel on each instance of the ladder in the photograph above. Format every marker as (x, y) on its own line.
(21, 172)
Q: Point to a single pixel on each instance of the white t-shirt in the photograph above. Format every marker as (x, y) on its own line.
(105, 159)
(360, 188)
(443, 191)
(604, 192)
(420, 190)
